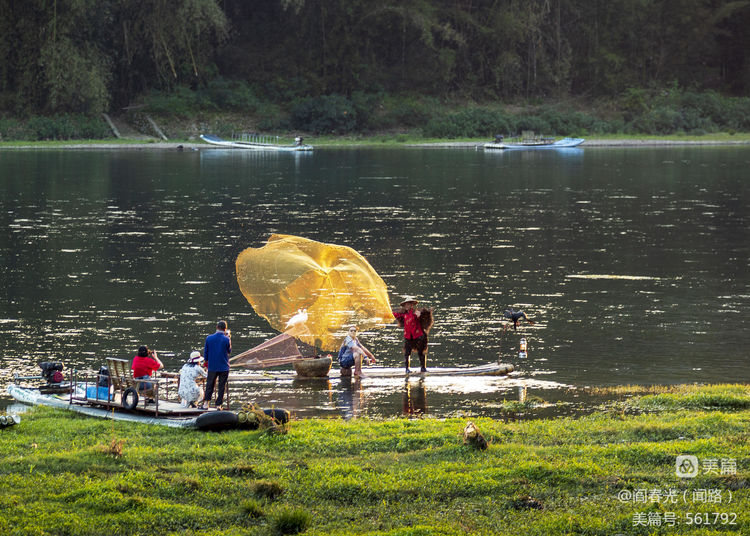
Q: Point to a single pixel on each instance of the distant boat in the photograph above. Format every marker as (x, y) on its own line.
(256, 143)
(529, 141)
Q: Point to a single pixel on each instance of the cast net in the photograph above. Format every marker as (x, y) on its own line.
(311, 290)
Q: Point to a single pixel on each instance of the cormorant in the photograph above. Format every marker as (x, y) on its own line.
(515, 316)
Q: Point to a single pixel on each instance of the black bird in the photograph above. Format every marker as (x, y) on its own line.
(515, 316)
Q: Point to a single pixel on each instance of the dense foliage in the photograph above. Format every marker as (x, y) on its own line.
(340, 66)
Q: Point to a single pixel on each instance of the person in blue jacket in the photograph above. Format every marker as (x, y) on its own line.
(216, 353)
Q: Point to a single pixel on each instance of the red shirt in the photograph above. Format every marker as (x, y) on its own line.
(144, 366)
(412, 327)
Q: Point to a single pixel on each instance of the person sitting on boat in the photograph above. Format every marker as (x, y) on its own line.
(144, 364)
(416, 324)
(498, 138)
(190, 390)
(298, 140)
(353, 352)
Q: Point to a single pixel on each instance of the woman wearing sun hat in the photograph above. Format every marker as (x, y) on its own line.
(415, 337)
(190, 392)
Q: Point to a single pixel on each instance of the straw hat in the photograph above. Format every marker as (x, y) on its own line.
(409, 299)
(195, 357)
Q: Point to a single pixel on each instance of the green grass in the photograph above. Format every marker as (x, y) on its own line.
(67, 474)
(382, 140)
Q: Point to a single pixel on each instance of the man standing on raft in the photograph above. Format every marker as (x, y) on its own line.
(216, 353)
(415, 333)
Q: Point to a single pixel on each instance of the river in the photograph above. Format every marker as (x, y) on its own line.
(633, 262)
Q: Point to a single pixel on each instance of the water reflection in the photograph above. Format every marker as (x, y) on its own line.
(414, 398)
(351, 399)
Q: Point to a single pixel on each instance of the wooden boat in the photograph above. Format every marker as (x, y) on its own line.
(254, 143)
(81, 400)
(170, 413)
(529, 141)
(490, 369)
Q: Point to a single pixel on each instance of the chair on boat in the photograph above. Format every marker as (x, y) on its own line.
(121, 376)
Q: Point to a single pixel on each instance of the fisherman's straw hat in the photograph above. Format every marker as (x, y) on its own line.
(409, 299)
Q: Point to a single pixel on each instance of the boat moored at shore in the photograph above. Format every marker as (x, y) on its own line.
(529, 140)
(255, 143)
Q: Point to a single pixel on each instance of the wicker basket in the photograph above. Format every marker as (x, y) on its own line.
(316, 367)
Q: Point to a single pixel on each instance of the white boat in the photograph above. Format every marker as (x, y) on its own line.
(537, 143)
(254, 144)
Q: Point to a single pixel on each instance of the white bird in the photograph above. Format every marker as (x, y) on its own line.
(299, 318)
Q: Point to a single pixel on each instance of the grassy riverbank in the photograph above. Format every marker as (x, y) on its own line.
(599, 474)
(385, 140)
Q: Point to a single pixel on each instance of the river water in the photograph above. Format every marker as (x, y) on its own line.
(633, 262)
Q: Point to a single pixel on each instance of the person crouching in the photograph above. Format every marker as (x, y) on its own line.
(190, 391)
(353, 352)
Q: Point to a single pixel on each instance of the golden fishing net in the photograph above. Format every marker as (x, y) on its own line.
(335, 284)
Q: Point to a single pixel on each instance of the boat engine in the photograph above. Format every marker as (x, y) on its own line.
(52, 372)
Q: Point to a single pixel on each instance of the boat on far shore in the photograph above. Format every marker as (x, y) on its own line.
(529, 140)
(256, 142)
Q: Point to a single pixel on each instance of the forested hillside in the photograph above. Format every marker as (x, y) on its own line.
(88, 56)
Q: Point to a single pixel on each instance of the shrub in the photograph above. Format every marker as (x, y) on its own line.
(63, 127)
(182, 102)
(406, 111)
(291, 521)
(12, 129)
(472, 122)
(633, 102)
(327, 114)
(229, 94)
(253, 508)
(533, 122)
(366, 106)
(267, 489)
(566, 122)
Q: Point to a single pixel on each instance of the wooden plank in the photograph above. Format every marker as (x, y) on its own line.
(156, 128)
(111, 126)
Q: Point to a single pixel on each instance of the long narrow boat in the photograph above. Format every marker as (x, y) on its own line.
(171, 414)
(34, 397)
(543, 143)
(490, 369)
(253, 145)
(376, 372)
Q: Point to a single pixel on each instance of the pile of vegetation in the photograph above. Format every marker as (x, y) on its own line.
(605, 473)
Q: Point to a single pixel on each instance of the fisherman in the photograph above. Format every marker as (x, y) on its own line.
(415, 331)
(516, 316)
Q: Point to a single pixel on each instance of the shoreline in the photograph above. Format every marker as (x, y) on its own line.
(194, 145)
